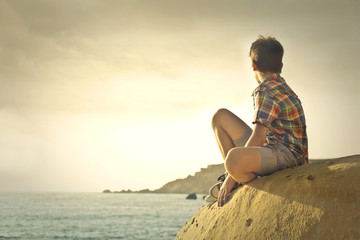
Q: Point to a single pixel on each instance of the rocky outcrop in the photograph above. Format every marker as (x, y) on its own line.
(198, 183)
(128, 191)
(320, 200)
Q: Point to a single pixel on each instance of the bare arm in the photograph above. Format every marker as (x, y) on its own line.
(258, 136)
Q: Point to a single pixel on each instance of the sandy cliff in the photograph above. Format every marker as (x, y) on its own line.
(198, 183)
(320, 200)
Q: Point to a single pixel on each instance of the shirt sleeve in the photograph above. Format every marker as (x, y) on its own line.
(266, 109)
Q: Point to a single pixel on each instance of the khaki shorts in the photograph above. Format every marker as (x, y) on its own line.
(274, 158)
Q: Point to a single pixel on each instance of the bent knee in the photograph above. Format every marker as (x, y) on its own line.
(218, 116)
(243, 160)
(235, 160)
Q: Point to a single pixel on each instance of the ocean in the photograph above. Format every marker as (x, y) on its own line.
(94, 215)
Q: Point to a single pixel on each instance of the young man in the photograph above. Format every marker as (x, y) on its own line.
(279, 138)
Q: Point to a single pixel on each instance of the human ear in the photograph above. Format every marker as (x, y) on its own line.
(253, 65)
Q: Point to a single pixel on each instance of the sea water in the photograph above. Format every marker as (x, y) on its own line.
(94, 215)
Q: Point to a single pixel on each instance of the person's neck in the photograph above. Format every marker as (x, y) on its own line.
(260, 76)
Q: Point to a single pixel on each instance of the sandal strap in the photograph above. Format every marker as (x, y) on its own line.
(222, 177)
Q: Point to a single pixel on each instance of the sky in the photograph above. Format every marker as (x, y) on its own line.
(120, 94)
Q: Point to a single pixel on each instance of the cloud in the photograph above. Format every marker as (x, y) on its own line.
(51, 51)
(69, 69)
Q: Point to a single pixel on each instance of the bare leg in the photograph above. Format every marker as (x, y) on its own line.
(240, 163)
(227, 128)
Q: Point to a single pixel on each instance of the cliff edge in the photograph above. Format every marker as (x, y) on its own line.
(320, 200)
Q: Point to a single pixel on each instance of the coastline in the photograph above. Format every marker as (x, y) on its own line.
(198, 183)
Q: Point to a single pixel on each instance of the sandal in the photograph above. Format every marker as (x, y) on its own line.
(214, 190)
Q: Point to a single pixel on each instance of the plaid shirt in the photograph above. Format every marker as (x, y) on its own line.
(279, 109)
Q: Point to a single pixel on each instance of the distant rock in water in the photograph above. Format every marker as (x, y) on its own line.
(126, 191)
(191, 196)
(320, 200)
(106, 191)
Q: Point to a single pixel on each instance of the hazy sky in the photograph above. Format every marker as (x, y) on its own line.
(120, 94)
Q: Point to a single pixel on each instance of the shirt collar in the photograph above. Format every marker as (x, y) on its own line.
(268, 78)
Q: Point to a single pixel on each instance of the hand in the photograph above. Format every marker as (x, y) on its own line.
(225, 190)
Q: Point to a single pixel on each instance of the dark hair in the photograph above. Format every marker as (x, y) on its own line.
(267, 54)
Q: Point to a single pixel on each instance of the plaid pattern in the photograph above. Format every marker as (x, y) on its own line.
(279, 109)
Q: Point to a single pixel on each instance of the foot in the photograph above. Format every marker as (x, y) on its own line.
(214, 190)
